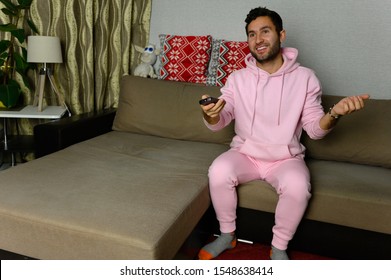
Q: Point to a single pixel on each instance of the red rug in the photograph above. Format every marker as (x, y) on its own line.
(244, 251)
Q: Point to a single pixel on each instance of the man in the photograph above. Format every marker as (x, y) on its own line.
(271, 100)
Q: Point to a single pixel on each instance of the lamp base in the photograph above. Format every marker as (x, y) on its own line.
(38, 98)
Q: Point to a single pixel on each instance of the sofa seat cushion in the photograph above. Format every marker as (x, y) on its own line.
(343, 194)
(117, 196)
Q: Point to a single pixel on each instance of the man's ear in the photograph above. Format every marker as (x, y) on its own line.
(282, 36)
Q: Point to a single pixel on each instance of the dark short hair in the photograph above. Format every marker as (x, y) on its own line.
(264, 12)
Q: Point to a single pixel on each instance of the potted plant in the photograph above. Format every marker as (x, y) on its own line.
(13, 54)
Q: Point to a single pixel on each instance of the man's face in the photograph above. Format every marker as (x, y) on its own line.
(263, 40)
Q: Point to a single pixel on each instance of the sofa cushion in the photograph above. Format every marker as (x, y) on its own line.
(166, 109)
(116, 196)
(185, 58)
(345, 194)
(227, 57)
(362, 137)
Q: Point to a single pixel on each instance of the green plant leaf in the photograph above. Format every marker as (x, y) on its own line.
(13, 8)
(19, 34)
(14, 83)
(25, 79)
(25, 3)
(4, 45)
(24, 53)
(2, 61)
(20, 63)
(8, 27)
(8, 12)
(32, 26)
(9, 5)
(3, 57)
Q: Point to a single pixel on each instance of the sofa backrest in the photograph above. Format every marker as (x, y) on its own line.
(171, 109)
(362, 137)
(166, 109)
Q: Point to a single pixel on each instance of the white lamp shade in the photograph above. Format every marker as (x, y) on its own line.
(44, 49)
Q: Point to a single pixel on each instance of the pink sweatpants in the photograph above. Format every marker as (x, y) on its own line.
(290, 178)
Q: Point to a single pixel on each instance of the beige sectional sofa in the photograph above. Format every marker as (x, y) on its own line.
(140, 188)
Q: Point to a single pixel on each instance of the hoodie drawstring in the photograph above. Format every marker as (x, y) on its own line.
(255, 102)
(280, 98)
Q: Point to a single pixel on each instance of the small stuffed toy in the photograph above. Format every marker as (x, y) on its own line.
(148, 58)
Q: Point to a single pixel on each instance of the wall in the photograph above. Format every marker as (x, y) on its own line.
(345, 42)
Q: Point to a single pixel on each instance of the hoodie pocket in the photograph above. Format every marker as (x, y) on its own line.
(266, 152)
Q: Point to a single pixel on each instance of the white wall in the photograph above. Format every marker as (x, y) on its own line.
(346, 42)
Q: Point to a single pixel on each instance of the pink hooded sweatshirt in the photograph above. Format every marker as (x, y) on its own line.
(271, 110)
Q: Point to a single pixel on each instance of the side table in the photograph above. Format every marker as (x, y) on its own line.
(25, 142)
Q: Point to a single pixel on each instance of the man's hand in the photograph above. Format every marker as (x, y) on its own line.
(349, 105)
(344, 107)
(212, 111)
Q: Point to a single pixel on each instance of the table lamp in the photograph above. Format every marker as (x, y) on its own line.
(44, 49)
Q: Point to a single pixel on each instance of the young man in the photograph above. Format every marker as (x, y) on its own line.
(271, 100)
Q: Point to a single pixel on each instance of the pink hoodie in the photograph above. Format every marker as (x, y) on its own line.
(270, 110)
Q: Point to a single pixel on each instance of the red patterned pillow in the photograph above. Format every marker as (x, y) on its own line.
(185, 58)
(231, 58)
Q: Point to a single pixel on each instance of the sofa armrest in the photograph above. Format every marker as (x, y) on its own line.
(59, 134)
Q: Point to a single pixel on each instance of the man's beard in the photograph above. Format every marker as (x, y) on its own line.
(275, 50)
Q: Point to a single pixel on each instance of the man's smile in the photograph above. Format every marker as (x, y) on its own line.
(261, 49)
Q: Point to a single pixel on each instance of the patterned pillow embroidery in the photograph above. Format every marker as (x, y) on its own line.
(214, 62)
(231, 58)
(185, 58)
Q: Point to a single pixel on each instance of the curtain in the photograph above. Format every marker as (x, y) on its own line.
(97, 39)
